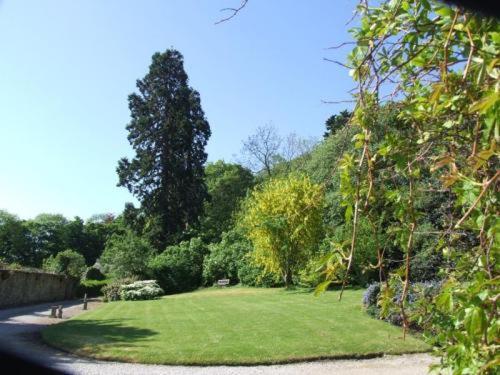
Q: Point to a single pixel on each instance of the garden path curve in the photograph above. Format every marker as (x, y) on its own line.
(20, 327)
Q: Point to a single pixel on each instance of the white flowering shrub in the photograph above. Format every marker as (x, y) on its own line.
(141, 290)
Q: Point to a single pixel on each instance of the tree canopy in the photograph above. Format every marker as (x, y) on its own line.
(336, 122)
(227, 185)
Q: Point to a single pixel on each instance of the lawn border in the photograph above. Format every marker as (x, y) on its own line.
(86, 355)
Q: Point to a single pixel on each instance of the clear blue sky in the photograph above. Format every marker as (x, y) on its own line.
(67, 67)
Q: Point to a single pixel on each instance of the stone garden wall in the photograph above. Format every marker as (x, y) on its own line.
(19, 287)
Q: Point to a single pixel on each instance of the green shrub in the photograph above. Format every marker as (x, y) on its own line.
(365, 255)
(225, 258)
(67, 262)
(419, 298)
(251, 274)
(111, 292)
(93, 273)
(179, 267)
(141, 290)
(93, 288)
(126, 255)
(309, 276)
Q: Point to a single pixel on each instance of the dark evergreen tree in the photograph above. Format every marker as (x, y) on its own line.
(168, 132)
(336, 122)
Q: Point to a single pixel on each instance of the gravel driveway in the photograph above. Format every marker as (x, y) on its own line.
(19, 333)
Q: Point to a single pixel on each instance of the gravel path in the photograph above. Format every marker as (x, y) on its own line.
(19, 333)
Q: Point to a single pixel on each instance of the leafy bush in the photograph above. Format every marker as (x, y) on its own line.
(252, 274)
(365, 255)
(93, 288)
(111, 292)
(309, 275)
(420, 295)
(67, 262)
(427, 260)
(93, 273)
(141, 290)
(225, 258)
(179, 267)
(126, 255)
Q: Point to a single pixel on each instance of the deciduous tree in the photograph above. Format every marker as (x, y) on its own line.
(227, 186)
(283, 219)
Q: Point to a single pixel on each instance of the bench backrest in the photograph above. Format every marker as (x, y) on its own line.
(223, 282)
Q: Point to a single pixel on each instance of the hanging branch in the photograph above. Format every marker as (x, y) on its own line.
(486, 185)
(234, 12)
(355, 218)
(409, 247)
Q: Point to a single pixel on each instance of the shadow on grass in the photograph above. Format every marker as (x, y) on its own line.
(84, 336)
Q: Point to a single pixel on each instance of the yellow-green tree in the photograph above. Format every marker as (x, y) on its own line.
(283, 219)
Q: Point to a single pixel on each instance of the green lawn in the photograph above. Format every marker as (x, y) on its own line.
(231, 326)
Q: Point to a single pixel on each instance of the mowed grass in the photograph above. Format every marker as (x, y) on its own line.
(231, 326)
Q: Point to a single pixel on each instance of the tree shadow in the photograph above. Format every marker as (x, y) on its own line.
(86, 335)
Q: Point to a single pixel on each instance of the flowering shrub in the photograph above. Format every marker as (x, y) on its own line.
(370, 296)
(419, 295)
(141, 290)
(111, 292)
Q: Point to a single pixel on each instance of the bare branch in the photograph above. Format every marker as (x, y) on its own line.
(338, 101)
(234, 12)
(338, 63)
(262, 149)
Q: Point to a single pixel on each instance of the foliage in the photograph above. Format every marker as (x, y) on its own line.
(226, 258)
(321, 166)
(179, 267)
(28, 242)
(93, 273)
(46, 236)
(363, 269)
(259, 326)
(97, 230)
(309, 276)
(141, 290)
(419, 298)
(283, 219)
(168, 132)
(252, 274)
(337, 122)
(111, 292)
(92, 288)
(227, 184)
(67, 262)
(126, 255)
(14, 242)
(442, 64)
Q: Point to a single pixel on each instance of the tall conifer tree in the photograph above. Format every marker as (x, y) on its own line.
(168, 132)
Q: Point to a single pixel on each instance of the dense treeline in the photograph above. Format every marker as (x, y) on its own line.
(227, 241)
(29, 242)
